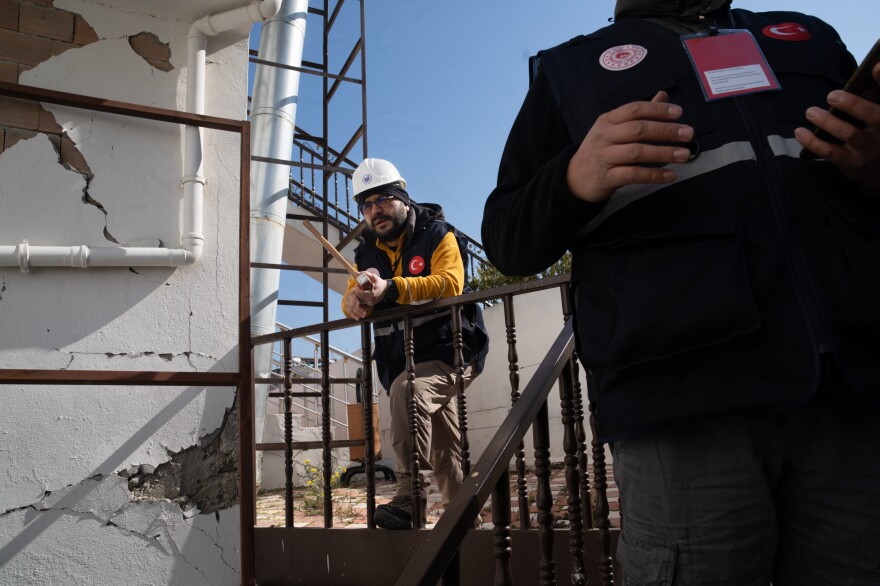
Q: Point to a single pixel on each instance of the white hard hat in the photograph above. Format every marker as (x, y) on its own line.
(373, 173)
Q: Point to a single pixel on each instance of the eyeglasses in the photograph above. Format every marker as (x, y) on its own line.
(381, 200)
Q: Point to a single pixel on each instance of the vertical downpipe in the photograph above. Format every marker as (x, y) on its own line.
(273, 116)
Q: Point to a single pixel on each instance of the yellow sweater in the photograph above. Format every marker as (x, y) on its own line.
(446, 278)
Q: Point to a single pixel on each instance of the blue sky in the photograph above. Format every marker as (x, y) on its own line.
(446, 79)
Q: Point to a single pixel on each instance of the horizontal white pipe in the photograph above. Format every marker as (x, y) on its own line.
(192, 238)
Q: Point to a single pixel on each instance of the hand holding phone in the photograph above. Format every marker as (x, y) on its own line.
(861, 83)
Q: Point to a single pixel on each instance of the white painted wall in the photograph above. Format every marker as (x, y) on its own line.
(65, 517)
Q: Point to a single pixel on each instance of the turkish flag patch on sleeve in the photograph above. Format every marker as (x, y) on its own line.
(787, 31)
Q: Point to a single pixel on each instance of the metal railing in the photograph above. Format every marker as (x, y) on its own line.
(437, 557)
(308, 405)
(243, 379)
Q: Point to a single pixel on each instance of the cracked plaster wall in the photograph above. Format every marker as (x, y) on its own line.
(67, 515)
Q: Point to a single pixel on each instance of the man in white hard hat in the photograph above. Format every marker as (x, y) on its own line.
(411, 255)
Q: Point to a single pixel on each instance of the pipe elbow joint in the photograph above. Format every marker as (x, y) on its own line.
(267, 8)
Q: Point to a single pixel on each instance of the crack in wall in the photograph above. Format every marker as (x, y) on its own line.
(89, 200)
(146, 278)
(167, 356)
(2, 289)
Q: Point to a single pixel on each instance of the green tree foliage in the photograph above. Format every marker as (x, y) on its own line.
(488, 277)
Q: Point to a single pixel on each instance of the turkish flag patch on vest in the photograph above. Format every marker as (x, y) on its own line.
(787, 31)
(416, 265)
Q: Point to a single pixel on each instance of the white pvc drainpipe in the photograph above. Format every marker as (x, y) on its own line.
(192, 239)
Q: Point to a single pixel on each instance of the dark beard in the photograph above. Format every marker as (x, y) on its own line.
(393, 235)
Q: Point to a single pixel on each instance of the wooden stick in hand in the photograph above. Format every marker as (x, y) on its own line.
(361, 279)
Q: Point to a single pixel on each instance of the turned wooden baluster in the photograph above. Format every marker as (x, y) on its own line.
(461, 401)
(606, 565)
(580, 432)
(501, 537)
(513, 366)
(572, 479)
(325, 428)
(544, 498)
(288, 435)
(412, 416)
(367, 397)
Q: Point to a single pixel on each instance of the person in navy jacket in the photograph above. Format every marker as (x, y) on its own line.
(727, 288)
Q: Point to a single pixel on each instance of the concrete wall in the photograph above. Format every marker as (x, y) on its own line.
(112, 485)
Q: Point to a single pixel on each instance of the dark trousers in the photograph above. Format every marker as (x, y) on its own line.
(792, 497)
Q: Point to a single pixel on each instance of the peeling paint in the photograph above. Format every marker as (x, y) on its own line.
(206, 474)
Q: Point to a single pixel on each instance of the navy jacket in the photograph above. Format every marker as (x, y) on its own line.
(718, 293)
(432, 333)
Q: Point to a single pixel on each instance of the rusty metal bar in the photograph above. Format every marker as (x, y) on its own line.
(513, 367)
(309, 445)
(344, 69)
(367, 397)
(461, 401)
(304, 380)
(544, 497)
(363, 79)
(319, 73)
(24, 92)
(606, 564)
(335, 13)
(288, 434)
(349, 145)
(413, 419)
(118, 377)
(572, 478)
(354, 233)
(435, 553)
(301, 268)
(300, 303)
(501, 521)
(247, 479)
(580, 432)
(325, 429)
(290, 163)
(397, 313)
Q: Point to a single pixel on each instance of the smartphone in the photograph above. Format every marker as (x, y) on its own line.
(860, 83)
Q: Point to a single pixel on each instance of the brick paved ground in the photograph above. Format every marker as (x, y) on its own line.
(349, 509)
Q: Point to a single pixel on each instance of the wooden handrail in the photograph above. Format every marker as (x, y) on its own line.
(440, 545)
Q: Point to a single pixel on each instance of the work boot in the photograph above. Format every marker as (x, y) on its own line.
(398, 513)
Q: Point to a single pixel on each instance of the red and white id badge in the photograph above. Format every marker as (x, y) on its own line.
(729, 63)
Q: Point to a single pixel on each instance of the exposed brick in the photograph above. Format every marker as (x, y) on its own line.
(160, 65)
(47, 122)
(13, 135)
(9, 14)
(83, 33)
(70, 155)
(23, 114)
(28, 49)
(155, 52)
(8, 72)
(46, 21)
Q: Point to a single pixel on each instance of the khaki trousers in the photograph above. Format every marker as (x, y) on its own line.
(438, 441)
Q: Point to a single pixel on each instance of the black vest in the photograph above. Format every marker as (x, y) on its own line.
(432, 333)
(717, 294)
